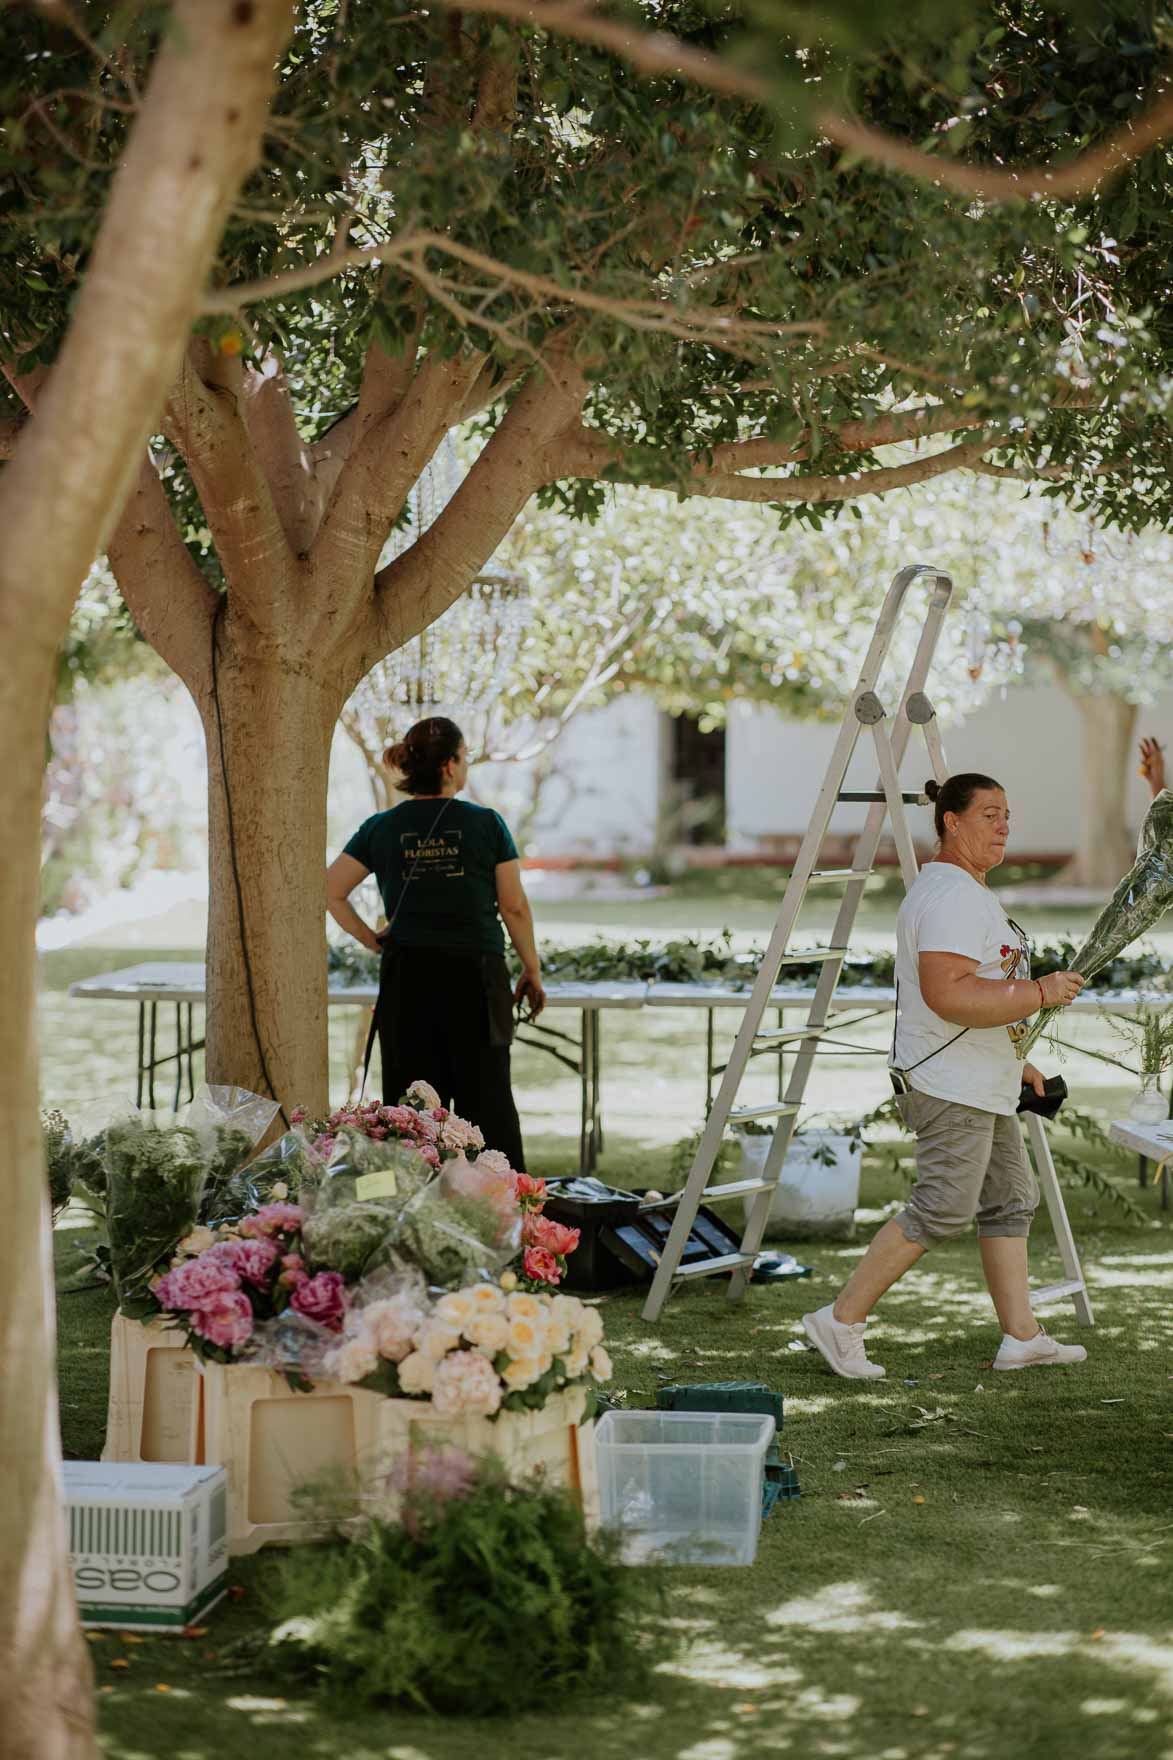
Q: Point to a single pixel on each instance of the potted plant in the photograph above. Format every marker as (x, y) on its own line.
(818, 1187)
(1149, 1035)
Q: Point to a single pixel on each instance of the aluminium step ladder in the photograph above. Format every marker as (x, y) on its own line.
(890, 735)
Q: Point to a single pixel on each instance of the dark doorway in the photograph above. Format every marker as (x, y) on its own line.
(697, 803)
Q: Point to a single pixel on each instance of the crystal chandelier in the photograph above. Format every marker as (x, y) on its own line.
(459, 664)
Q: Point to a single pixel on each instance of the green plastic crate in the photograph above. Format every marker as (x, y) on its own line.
(722, 1396)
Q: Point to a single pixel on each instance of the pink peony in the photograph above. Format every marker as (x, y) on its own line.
(542, 1231)
(541, 1265)
(274, 1219)
(198, 1282)
(298, 1115)
(321, 1298)
(531, 1193)
(253, 1260)
(464, 1383)
(497, 1163)
(403, 1118)
(430, 1154)
(391, 1326)
(226, 1320)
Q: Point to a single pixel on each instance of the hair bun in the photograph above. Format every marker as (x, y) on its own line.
(395, 757)
(932, 788)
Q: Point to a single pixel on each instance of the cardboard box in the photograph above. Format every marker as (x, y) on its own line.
(148, 1541)
(155, 1410)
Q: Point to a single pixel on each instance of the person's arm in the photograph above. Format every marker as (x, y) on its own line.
(342, 876)
(1152, 764)
(951, 988)
(519, 921)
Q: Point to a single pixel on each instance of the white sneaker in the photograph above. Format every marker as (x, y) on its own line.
(840, 1345)
(1027, 1353)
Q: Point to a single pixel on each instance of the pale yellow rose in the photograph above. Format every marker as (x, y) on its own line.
(198, 1241)
(508, 1280)
(576, 1362)
(488, 1332)
(486, 1297)
(279, 1191)
(522, 1372)
(601, 1364)
(525, 1307)
(590, 1327)
(526, 1339)
(455, 1310)
(416, 1373)
(436, 1341)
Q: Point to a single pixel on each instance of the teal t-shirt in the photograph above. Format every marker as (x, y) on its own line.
(451, 898)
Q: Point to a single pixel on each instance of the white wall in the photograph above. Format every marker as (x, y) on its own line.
(1030, 739)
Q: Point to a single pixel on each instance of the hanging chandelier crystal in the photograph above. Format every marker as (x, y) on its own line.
(460, 663)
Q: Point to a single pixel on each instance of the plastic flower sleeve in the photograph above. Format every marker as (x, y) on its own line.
(1140, 900)
(355, 1211)
(155, 1177)
(288, 1169)
(229, 1122)
(460, 1229)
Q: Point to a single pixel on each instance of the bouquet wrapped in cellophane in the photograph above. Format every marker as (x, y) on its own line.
(1140, 900)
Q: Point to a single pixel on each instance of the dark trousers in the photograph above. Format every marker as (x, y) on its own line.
(447, 1018)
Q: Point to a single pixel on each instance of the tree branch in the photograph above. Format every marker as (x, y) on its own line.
(569, 460)
(11, 427)
(886, 430)
(658, 54)
(169, 599)
(284, 457)
(420, 584)
(390, 448)
(204, 420)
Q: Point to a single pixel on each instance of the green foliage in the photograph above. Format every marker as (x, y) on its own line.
(155, 1178)
(59, 1154)
(428, 1613)
(651, 192)
(1149, 1034)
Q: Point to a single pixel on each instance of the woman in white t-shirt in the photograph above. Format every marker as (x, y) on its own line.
(964, 994)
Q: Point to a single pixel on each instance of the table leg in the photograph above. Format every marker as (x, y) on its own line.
(178, 1056)
(596, 1083)
(154, 1008)
(191, 1051)
(142, 1039)
(585, 1144)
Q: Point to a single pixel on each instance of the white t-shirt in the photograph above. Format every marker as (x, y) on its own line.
(947, 911)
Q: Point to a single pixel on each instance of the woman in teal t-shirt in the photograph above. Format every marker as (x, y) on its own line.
(449, 876)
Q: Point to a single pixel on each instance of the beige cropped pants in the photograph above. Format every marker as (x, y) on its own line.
(969, 1164)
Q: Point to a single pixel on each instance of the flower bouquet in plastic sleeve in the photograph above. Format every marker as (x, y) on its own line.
(363, 1346)
(354, 1214)
(1140, 900)
(155, 1178)
(465, 1225)
(289, 1169)
(223, 1283)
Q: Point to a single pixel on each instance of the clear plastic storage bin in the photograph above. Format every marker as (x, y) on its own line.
(684, 1487)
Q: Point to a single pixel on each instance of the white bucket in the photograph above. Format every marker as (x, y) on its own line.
(818, 1190)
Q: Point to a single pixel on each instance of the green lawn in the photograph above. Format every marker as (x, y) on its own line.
(978, 1564)
(1023, 1608)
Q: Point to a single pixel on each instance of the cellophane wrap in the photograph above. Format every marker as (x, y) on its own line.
(461, 1228)
(355, 1211)
(1140, 900)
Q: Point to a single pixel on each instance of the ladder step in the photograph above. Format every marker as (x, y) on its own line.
(838, 876)
(801, 956)
(780, 1109)
(1056, 1292)
(791, 1035)
(738, 1188)
(913, 800)
(711, 1267)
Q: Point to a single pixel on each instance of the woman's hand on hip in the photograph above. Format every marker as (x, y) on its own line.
(528, 993)
(1060, 988)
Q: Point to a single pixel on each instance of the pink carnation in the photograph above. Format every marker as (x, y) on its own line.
(226, 1320)
(198, 1282)
(541, 1265)
(430, 1154)
(457, 1133)
(403, 1118)
(321, 1298)
(542, 1231)
(274, 1219)
(252, 1260)
(298, 1115)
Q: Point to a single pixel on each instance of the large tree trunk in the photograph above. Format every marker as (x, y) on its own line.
(195, 137)
(277, 722)
(1106, 848)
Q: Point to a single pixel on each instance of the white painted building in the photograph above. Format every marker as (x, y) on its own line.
(616, 779)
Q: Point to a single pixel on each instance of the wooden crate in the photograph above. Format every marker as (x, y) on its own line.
(155, 1406)
(271, 1440)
